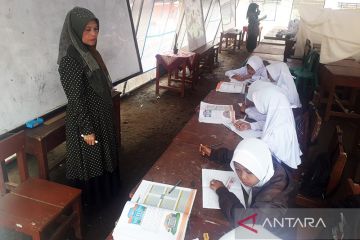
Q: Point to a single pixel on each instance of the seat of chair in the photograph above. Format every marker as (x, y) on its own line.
(26, 214)
(48, 192)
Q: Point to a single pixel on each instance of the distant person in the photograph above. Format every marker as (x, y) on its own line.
(266, 184)
(279, 130)
(91, 141)
(253, 31)
(254, 68)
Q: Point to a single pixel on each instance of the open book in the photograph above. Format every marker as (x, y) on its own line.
(230, 180)
(154, 213)
(218, 114)
(231, 87)
(250, 133)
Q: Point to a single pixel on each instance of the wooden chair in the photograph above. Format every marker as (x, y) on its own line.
(347, 189)
(36, 207)
(315, 123)
(302, 130)
(338, 160)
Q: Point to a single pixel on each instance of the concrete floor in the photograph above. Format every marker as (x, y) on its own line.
(148, 126)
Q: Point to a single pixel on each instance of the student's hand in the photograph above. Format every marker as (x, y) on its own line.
(205, 150)
(240, 125)
(238, 77)
(243, 107)
(215, 184)
(247, 76)
(90, 139)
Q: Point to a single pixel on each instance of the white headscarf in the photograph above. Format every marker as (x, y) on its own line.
(253, 154)
(279, 129)
(281, 75)
(255, 86)
(258, 65)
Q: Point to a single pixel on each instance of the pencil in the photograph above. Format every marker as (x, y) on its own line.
(176, 184)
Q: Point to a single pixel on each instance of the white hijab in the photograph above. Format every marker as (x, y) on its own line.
(253, 154)
(255, 86)
(258, 65)
(279, 129)
(281, 75)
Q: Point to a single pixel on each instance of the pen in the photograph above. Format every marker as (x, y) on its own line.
(244, 117)
(176, 184)
(229, 182)
(96, 141)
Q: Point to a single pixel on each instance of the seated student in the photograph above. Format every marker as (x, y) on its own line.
(248, 106)
(254, 68)
(266, 184)
(279, 127)
(279, 73)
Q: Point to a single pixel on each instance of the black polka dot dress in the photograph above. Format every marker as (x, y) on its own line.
(87, 112)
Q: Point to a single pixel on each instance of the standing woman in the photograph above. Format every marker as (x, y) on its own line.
(253, 27)
(91, 142)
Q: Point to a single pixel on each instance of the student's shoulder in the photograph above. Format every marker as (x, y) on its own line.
(281, 177)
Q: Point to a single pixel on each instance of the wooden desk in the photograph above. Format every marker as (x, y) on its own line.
(271, 57)
(182, 160)
(345, 63)
(172, 63)
(273, 34)
(233, 35)
(335, 76)
(270, 49)
(41, 140)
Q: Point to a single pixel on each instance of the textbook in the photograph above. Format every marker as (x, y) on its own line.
(156, 211)
(218, 114)
(231, 87)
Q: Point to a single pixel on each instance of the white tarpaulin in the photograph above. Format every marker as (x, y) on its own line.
(336, 30)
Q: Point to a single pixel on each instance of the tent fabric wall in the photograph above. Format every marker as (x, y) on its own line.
(336, 30)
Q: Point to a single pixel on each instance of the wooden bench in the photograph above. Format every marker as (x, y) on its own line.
(42, 139)
(231, 35)
(207, 56)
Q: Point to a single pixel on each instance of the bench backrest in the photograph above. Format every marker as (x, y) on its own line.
(8, 147)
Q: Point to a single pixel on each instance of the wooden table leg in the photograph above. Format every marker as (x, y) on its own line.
(330, 102)
(353, 96)
(183, 79)
(78, 221)
(157, 77)
(169, 78)
(41, 157)
(220, 45)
